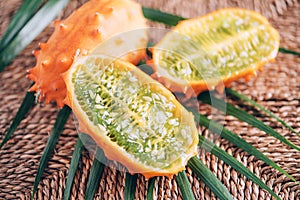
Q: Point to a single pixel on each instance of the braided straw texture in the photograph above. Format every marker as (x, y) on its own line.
(277, 88)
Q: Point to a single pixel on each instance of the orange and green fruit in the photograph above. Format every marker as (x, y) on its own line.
(211, 51)
(133, 118)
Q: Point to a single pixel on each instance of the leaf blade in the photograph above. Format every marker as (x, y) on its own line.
(231, 161)
(261, 108)
(22, 16)
(33, 27)
(243, 116)
(185, 186)
(73, 168)
(288, 51)
(94, 176)
(209, 179)
(239, 142)
(130, 186)
(151, 183)
(159, 16)
(27, 103)
(61, 120)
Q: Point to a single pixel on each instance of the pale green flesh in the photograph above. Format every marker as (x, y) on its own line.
(139, 120)
(216, 48)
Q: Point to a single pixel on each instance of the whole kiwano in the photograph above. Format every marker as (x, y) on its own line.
(80, 33)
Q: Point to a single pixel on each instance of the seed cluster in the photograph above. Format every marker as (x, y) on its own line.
(228, 45)
(136, 116)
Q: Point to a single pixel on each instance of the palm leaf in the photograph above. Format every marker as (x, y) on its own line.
(73, 168)
(158, 16)
(60, 122)
(243, 116)
(28, 102)
(130, 186)
(94, 176)
(239, 142)
(209, 179)
(185, 186)
(24, 13)
(230, 160)
(288, 51)
(32, 28)
(261, 108)
(151, 183)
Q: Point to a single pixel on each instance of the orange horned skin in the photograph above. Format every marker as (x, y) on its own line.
(80, 33)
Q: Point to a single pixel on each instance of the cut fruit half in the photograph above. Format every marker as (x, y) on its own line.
(212, 51)
(133, 118)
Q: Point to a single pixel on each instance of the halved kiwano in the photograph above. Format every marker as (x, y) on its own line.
(212, 51)
(133, 118)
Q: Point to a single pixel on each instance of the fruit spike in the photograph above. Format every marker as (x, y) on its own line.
(80, 33)
(42, 45)
(36, 53)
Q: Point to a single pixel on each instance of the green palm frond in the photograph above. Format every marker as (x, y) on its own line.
(73, 167)
(162, 17)
(130, 186)
(28, 102)
(230, 160)
(151, 183)
(239, 142)
(60, 122)
(185, 186)
(205, 175)
(242, 115)
(26, 26)
(23, 15)
(30, 30)
(95, 175)
(259, 107)
(288, 51)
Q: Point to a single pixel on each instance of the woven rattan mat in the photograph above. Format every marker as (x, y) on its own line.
(277, 88)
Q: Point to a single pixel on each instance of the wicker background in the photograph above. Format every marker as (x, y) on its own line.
(277, 88)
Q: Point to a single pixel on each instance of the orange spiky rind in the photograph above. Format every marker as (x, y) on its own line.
(82, 31)
(218, 48)
(82, 87)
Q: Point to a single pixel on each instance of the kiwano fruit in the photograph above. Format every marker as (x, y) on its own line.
(210, 52)
(133, 118)
(80, 33)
